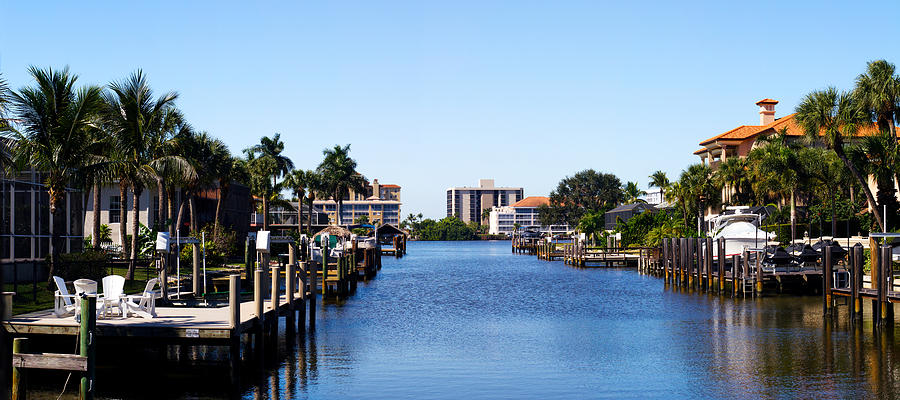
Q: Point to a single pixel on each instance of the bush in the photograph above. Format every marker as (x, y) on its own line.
(90, 264)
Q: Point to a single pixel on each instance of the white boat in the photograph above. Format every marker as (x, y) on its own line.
(739, 227)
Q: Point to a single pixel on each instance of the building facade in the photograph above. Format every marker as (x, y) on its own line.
(380, 204)
(504, 219)
(468, 203)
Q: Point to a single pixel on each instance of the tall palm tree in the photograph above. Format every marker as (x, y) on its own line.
(315, 188)
(136, 120)
(339, 172)
(234, 169)
(827, 173)
(5, 127)
(56, 120)
(732, 176)
(268, 159)
(299, 181)
(632, 193)
(659, 180)
(699, 189)
(878, 93)
(828, 117)
(778, 169)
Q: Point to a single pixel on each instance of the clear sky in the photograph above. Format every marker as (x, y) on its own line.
(439, 94)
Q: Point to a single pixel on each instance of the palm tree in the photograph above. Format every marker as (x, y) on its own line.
(732, 176)
(234, 169)
(298, 180)
(699, 190)
(826, 172)
(207, 156)
(660, 180)
(878, 92)
(315, 187)
(5, 127)
(136, 119)
(827, 117)
(267, 159)
(877, 156)
(339, 172)
(633, 193)
(56, 120)
(778, 169)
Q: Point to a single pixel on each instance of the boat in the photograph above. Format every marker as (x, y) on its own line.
(738, 226)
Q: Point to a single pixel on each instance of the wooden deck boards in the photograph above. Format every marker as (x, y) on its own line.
(186, 322)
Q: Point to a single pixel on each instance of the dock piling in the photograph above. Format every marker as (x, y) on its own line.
(19, 375)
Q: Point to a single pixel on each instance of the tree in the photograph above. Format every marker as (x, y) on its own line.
(266, 159)
(826, 173)
(5, 127)
(586, 191)
(234, 169)
(698, 191)
(827, 117)
(633, 193)
(591, 223)
(777, 169)
(298, 180)
(485, 215)
(56, 121)
(339, 173)
(659, 180)
(136, 121)
(877, 156)
(732, 176)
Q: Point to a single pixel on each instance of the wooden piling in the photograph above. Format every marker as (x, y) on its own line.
(856, 281)
(885, 281)
(827, 277)
(87, 345)
(290, 292)
(313, 289)
(259, 308)
(689, 265)
(735, 279)
(19, 375)
(745, 271)
(721, 277)
(708, 261)
(234, 308)
(759, 274)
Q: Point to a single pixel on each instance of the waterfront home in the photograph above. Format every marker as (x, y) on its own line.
(380, 203)
(524, 212)
(624, 213)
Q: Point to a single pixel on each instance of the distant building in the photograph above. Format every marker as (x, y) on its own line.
(523, 212)
(653, 197)
(380, 203)
(625, 212)
(469, 202)
(235, 212)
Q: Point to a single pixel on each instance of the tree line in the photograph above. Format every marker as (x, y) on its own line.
(88, 136)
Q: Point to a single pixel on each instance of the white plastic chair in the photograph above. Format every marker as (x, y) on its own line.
(63, 303)
(143, 304)
(113, 296)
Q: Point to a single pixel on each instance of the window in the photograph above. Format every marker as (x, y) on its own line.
(115, 206)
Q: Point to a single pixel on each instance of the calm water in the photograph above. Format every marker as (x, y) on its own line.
(473, 321)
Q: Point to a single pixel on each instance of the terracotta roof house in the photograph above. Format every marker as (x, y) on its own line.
(739, 141)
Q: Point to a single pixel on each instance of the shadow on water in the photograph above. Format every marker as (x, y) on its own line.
(471, 320)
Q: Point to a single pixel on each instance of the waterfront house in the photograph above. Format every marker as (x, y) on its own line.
(523, 212)
(380, 203)
(624, 213)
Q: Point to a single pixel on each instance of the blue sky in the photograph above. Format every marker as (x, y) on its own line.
(440, 94)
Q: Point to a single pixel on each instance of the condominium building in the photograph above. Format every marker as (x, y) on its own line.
(380, 203)
(469, 203)
(524, 213)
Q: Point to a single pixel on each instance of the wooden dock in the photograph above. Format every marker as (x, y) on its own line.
(288, 292)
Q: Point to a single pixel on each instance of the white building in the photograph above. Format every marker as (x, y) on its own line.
(380, 203)
(653, 197)
(503, 219)
(468, 203)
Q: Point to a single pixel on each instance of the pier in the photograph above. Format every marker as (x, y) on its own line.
(247, 324)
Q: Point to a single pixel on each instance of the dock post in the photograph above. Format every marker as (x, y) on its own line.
(735, 272)
(234, 308)
(301, 307)
(698, 258)
(665, 243)
(759, 274)
(884, 282)
(289, 292)
(675, 261)
(275, 301)
(827, 277)
(19, 375)
(745, 272)
(259, 308)
(313, 289)
(721, 275)
(87, 345)
(689, 265)
(708, 261)
(856, 282)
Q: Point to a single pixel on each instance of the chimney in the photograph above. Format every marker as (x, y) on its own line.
(766, 111)
(376, 188)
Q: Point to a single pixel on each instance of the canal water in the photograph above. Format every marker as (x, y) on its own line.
(471, 320)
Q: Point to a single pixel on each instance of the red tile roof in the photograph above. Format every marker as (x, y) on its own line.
(390, 186)
(767, 101)
(532, 201)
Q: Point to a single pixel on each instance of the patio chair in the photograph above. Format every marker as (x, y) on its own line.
(113, 296)
(64, 304)
(143, 304)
